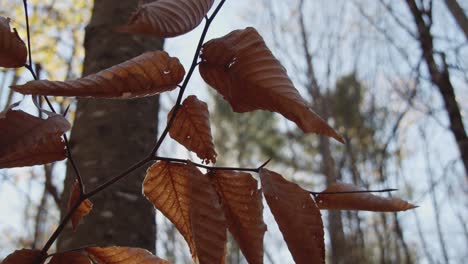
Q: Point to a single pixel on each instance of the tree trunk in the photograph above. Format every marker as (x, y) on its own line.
(440, 77)
(109, 136)
(458, 14)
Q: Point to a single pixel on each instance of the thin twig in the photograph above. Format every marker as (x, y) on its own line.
(211, 167)
(146, 159)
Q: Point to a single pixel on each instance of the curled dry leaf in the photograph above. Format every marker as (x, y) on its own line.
(358, 201)
(188, 199)
(13, 52)
(85, 207)
(297, 216)
(243, 207)
(70, 258)
(244, 71)
(191, 128)
(22, 256)
(168, 18)
(148, 74)
(123, 255)
(27, 140)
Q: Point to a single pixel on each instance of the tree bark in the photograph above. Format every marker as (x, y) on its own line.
(458, 14)
(109, 136)
(440, 77)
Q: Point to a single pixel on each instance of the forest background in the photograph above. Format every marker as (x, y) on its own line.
(360, 63)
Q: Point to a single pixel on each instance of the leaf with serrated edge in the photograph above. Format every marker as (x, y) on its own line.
(123, 255)
(191, 128)
(85, 207)
(28, 140)
(22, 256)
(297, 216)
(13, 52)
(244, 71)
(148, 74)
(358, 201)
(70, 258)
(188, 199)
(243, 207)
(168, 18)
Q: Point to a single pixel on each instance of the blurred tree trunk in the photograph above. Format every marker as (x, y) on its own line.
(458, 14)
(109, 136)
(335, 224)
(440, 75)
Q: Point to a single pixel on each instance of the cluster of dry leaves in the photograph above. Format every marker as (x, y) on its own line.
(202, 206)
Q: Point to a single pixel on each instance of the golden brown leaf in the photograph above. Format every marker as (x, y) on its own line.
(148, 74)
(188, 199)
(243, 207)
(191, 128)
(123, 255)
(70, 258)
(85, 207)
(244, 71)
(13, 52)
(297, 216)
(22, 256)
(358, 201)
(27, 140)
(168, 18)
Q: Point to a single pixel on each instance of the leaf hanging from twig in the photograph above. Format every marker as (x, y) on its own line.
(297, 216)
(191, 128)
(27, 140)
(70, 258)
(243, 207)
(168, 18)
(13, 52)
(85, 207)
(123, 255)
(148, 74)
(244, 71)
(188, 199)
(358, 201)
(23, 256)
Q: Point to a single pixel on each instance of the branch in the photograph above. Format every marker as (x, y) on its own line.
(363, 191)
(213, 167)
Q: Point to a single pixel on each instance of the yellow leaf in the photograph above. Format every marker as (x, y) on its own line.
(85, 207)
(123, 255)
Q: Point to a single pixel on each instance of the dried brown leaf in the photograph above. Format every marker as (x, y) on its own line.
(13, 52)
(70, 258)
(358, 201)
(26, 140)
(123, 255)
(85, 207)
(168, 18)
(244, 71)
(243, 207)
(188, 199)
(148, 74)
(22, 256)
(191, 128)
(297, 216)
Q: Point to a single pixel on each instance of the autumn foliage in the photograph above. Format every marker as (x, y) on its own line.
(203, 206)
